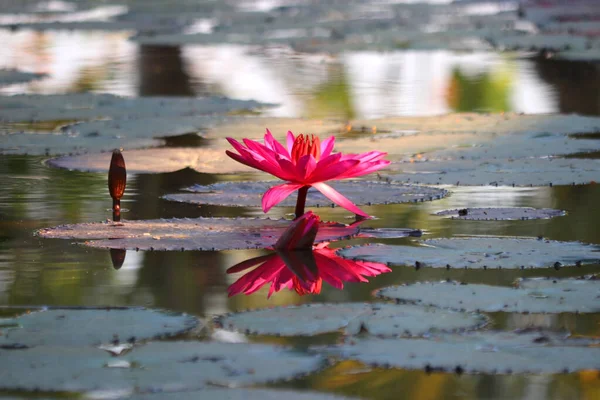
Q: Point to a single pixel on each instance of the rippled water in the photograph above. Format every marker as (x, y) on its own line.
(357, 84)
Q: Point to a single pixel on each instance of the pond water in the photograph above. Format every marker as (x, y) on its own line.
(36, 271)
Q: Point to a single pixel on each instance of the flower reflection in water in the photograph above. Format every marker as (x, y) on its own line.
(298, 264)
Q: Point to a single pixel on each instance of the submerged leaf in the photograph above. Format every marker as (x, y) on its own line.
(479, 252)
(377, 319)
(532, 296)
(249, 194)
(189, 234)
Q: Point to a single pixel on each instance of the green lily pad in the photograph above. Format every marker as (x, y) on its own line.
(89, 326)
(501, 213)
(188, 234)
(532, 295)
(377, 319)
(477, 352)
(249, 194)
(154, 367)
(479, 252)
(240, 394)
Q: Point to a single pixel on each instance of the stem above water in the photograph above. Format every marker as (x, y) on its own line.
(301, 202)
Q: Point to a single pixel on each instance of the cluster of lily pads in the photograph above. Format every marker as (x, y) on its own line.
(425, 325)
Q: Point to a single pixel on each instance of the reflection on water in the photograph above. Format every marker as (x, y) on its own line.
(354, 84)
(301, 270)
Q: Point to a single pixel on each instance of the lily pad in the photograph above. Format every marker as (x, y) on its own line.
(240, 394)
(501, 213)
(479, 252)
(533, 296)
(249, 194)
(377, 319)
(10, 76)
(499, 172)
(154, 367)
(79, 327)
(188, 234)
(484, 352)
(160, 160)
(87, 106)
(111, 121)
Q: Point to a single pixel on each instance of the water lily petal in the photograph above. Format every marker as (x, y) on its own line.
(290, 139)
(274, 145)
(364, 169)
(334, 171)
(327, 146)
(306, 165)
(338, 199)
(277, 194)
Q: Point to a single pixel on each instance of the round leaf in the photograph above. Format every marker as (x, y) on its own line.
(377, 319)
(479, 252)
(188, 234)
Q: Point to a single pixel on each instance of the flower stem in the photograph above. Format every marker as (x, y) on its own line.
(301, 201)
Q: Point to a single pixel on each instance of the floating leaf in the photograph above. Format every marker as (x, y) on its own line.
(501, 213)
(249, 194)
(90, 326)
(499, 172)
(377, 319)
(479, 252)
(532, 296)
(160, 160)
(11, 76)
(158, 366)
(117, 122)
(240, 394)
(484, 352)
(188, 234)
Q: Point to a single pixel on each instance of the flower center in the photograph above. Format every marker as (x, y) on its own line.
(304, 145)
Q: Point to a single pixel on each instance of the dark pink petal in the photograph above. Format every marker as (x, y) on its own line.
(338, 199)
(306, 165)
(364, 169)
(274, 145)
(327, 146)
(288, 168)
(277, 194)
(333, 171)
(246, 161)
(290, 139)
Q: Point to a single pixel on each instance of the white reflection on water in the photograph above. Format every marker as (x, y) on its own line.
(74, 61)
(380, 83)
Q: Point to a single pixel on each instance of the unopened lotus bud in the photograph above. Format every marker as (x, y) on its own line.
(117, 180)
(117, 256)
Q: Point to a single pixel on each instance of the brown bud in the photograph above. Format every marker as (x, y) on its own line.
(117, 257)
(117, 175)
(117, 179)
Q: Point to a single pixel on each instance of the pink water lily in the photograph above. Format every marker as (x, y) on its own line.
(305, 162)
